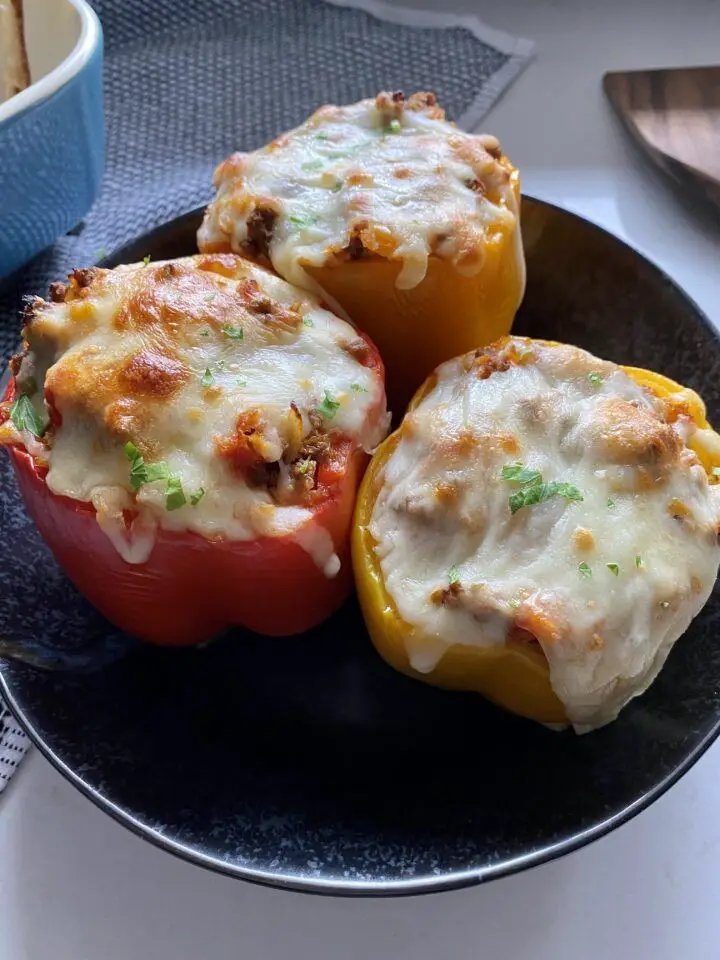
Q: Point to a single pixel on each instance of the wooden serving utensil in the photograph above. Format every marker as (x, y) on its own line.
(674, 115)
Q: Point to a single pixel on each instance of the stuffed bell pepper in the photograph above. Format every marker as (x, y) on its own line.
(541, 529)
(188, 437)
(391, 213)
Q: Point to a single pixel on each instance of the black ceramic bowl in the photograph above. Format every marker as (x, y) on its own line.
(307, 763)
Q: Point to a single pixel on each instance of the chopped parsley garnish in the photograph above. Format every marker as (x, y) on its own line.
(234, 333)
(146, 260)
(321, 136)
(638, 560)
(329, 407)
(393, 127)
(156, 471)
(611, 503)
(303, 466)
(540, 492)
(25, 417)
(308, 321)
(358, 388)
(303, 221)
(207, 378)
(517, 473)
(312, 165)
(716, 471)
(584, 570)
(196, 497)
(595, 378)
(138, 470)
(337, 187)
(131, 451)
(174, 495)
(204, 333)
(453, 576)
(242, 382)
(613, 568)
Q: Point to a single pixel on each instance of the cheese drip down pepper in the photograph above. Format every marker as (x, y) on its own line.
(189, 437)
(540, 529)
(390, 212)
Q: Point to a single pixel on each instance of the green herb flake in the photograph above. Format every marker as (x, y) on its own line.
(308, 321)
(393, 127)
(25, 417)
(540, 492)
(322, 136)
(584, 570)
(638, 560)
(513, 604)
(138, 473)
(174, 495)
(196, 497)
(242, 382)
(611, 503)
(131, 451)
(207, 378)
(613, 568)
(329, 407)
(312, 165)
(595, 379)
(716, 471)
(303, 466)
(146, 260)
(204, 333)
(234, 333)
(517, 473)
(337, 187)
(358, 388)
(303, 221)
(156, 471)
(453, 576)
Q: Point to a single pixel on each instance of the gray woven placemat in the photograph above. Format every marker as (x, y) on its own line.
(187, 83)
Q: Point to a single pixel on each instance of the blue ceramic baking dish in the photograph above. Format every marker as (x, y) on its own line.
(52, 144)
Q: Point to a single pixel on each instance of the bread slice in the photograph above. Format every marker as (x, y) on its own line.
(14, 66)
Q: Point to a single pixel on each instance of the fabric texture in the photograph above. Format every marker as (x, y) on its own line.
(187, 83)
(13, 746)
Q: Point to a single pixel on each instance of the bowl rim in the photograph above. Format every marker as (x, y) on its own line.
(89, 39)
(457, 879)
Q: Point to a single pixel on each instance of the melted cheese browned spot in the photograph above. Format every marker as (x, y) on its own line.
(218, 373)
(387, 177)
(605, 572)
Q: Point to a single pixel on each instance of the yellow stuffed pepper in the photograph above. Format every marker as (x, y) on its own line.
(396, 217)
(541, 529)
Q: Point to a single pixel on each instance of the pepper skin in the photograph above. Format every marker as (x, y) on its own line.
(514, 676)
(191, 588)
(445, 315)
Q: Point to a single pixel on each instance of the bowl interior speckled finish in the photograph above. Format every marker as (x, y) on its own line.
(308, 763)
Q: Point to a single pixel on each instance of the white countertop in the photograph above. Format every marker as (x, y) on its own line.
(76, 886)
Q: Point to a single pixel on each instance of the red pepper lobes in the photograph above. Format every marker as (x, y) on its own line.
(191, 588)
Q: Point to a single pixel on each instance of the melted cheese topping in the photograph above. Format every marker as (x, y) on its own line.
(389, 177)
(225, 378)
(607, 583)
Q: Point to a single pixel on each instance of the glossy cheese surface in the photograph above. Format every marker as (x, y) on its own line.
(387, 177)
(200, 394)
(539, 494)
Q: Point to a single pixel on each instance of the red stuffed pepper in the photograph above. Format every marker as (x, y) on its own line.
(189, 437)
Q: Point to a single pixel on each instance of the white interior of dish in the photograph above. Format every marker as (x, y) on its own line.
(60, 36)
